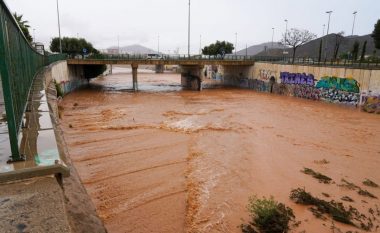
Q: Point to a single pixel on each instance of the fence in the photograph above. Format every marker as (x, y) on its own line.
(365, 64)
(19, 63)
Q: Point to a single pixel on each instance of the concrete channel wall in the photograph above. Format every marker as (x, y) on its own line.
(67, 78)
(357, 87)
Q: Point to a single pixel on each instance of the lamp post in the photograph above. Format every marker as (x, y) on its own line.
(272, 36)
(235, 43)
(323, 32)
(188, 34)
(328, 28)
(59, 30)
(158, 44)
(200, 44)
(353, 24)
(286, 32)
(118, 45)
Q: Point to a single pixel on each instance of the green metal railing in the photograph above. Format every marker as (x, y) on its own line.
(19, 63)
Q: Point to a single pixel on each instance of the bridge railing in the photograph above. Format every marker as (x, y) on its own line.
(372, 64)
(19, 63)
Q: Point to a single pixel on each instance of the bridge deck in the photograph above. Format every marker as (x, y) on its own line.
(189, 62)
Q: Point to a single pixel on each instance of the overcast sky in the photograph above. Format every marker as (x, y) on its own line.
(141, 21)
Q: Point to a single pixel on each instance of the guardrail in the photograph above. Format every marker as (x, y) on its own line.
(19, 63)
(375, 64)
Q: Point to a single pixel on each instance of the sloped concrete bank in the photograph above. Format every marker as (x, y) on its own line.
(48, 203)
(81, 212)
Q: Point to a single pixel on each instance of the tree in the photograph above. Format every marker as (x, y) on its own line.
(297, 37)
(219, 48)
(338, 40)
(24, 26)
(355, 50)
(320, 51)
(376, 34)
(72, 46)
(363, 51)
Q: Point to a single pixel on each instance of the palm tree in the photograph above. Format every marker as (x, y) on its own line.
(23, 24)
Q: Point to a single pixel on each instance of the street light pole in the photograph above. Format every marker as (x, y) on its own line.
(286, 33)
(158, 44)
(59, 30)
(188, 34)
(272, 36)
(353, 24)
(235, 43)
(328, 28)
(323, 32)
(200, 44)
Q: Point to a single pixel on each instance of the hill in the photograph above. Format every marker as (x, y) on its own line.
(255, 49)
(311, 49)
(131, 49)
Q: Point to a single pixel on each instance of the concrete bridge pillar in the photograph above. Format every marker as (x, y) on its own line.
(134, 76)
(191, 77)
(160, 69)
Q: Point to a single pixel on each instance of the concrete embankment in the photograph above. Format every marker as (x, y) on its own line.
(340, 85)
(48, 204)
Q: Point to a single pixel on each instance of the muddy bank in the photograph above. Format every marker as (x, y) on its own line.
(166, 160)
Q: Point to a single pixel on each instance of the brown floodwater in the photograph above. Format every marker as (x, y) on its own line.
(169, 160)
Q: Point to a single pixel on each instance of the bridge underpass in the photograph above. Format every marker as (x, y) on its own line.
(191, 69)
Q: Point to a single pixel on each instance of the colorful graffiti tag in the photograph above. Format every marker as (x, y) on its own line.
(297, 78)
(342, 84)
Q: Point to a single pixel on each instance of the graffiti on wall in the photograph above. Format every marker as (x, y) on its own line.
(342, 84)
(297, 78)
(266, 74)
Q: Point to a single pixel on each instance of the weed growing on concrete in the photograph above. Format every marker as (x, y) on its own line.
(323, 161)
(353, 186)
(268, 216)
(348, 185)
(347, 198)
(366, 193)
(370, 183)
(336, 210)
(322, 178)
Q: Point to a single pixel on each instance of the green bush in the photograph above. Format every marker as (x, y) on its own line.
(268, 216)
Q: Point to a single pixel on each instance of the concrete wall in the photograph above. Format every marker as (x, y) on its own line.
(332, 84)
(67, 77)
(191, 77)
(369, 80)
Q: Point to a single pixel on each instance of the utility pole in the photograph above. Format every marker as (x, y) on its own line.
(272, 36)
(353, 24)
(188, 34)
(59, 30)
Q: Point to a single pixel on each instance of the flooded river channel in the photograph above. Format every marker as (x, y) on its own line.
(169, 160)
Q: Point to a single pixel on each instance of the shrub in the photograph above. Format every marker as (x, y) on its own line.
(268, 216)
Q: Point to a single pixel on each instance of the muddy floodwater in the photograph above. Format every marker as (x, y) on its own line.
(169, 160)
